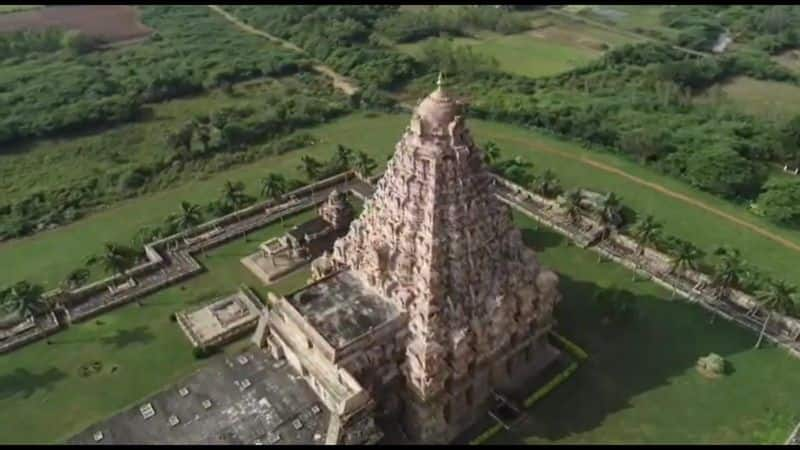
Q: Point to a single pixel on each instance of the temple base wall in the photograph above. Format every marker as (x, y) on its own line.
(442, 419)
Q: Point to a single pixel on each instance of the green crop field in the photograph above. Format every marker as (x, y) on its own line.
(49, 256)
(771, 99)
(634, 18)
(42, 397)
(554, 46)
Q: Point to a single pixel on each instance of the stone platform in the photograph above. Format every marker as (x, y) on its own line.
(244, 399)
(222, 321)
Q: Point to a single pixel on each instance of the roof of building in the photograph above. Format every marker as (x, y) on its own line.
(311, 226)
(263, 411)
(342, 308)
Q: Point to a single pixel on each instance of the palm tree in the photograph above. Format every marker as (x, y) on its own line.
(727, 272)
(116, 259)
(609, 215)
(491, 153)
(233, 194)
(76, 278)
(26, 300)
(364, 164)
(776, 297)
(189, 216)
(547, 185)
(273, 186)
(572, 205)
(310, 166)
(646, 233)
(685, 257)
(343, 157)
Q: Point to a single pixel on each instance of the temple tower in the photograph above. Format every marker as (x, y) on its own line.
(436, 241)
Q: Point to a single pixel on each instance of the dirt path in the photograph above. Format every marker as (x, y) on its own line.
(657, 187)
(340, 82)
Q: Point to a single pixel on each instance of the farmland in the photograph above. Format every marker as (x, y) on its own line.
(110, 23)
(555, 45)
(770, 99)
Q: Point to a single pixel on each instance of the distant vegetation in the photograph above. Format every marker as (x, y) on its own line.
(193, 49)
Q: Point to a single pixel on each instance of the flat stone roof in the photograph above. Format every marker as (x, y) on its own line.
(267, 407)
(210, 322)
(342, 308)
(312, 226)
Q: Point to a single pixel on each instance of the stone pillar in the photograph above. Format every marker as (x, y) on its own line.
(262, 331)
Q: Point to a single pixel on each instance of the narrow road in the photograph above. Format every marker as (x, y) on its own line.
(340, 82)
(599, 24)
(657, 187)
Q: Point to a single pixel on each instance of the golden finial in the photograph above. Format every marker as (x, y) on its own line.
(440, 80)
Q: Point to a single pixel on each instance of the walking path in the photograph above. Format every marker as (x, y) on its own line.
(340, 82)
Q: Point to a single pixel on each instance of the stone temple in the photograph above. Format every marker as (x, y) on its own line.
(429, 306)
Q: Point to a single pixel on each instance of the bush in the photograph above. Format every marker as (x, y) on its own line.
(723, 172)
(204, 352)
(780, 202)
(173, 317)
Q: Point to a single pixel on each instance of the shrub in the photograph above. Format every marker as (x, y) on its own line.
(204, 352)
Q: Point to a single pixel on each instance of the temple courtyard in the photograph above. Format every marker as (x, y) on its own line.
(638, 385)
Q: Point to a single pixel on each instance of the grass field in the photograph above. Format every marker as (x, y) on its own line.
(633, 18)
(771, 99)
(789, 59)
(555, 45)
(42, 398)
(49, 256)
(639, 384)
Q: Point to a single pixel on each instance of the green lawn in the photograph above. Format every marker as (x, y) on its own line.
(7, 9)
(49, 256)
(555, 46)
(42, 397)
(639, 384)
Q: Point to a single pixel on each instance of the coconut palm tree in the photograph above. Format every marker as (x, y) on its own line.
(776, 297)
(343, 157)
(116, 259)
(273, 186)
(364, 164)
(491, 153)
(685, 257)
(233, 194)
(26, 300)
(727, 272)
(310, 166)
(547, 185)
(187, 217)
(646, 232)
(572, 205)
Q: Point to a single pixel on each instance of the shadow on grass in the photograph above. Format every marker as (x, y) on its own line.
(540, 239)
(25, 383)
(125, 338)
(661, 341)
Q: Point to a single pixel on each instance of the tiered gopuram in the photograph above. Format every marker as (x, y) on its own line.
(439, 248)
